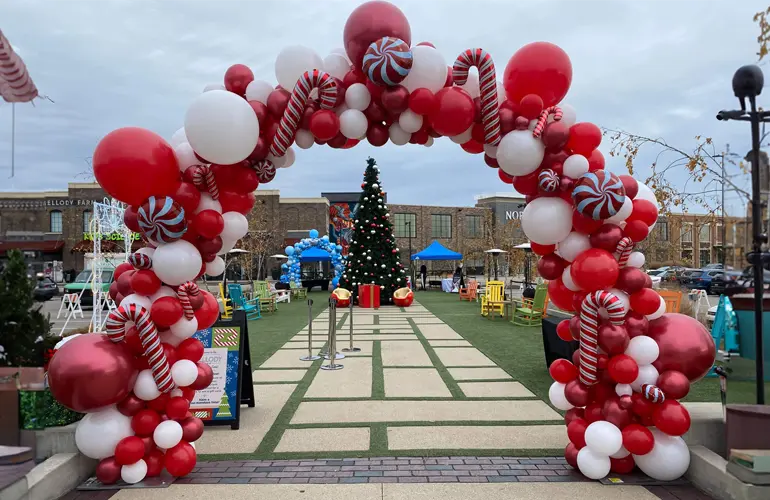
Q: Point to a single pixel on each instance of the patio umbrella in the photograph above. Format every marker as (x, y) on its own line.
(279, 256)
(494, 252)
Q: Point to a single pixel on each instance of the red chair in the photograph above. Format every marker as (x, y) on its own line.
(342, 296)
(403, 297)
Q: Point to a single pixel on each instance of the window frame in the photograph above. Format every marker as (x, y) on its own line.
(399, 229)
(60, 221)
(707, 227)
(685, 229)
(87, 218)
(478, 226)
(433, 226)
(662, 227)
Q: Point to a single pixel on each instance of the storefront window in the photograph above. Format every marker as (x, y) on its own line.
(56, 221)
(87, 221)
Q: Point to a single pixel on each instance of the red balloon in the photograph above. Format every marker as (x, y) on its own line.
(145, 422)
(631, 280)
(192, 429)
(593, 412)
(630, 185)
(122, 268)
(555, 136)
(130, 218)
(454, 111)
(236, 202)
(375, 112)
(646, 301)
(674, 384)
(623, 369)
(572, 414)
(636, 230)
(180, 460)
(574, 327)
(188, 196)
(277, 102)
(395, 99)
(560, 295)
(237, 78)
(539, 249)
(260, 109)
(554, 158)
(209, 246)
(133, 341)
(260, 150)
(124, 283)
(622, 465)
(159, 404)
(84, 359)
(576, 431)
(473, 147)
(241, 178)
(615, 414)
(583, 224)
(671, 417)
(166, 311)
(507, 120)
(377, 134)
(108, 470)
(636, 324)
(422, 101)
(129, 450)
(638, 439)
(527, 184)
(191, 349)
(644, 211)
(602, 391)
(576, 359)
(594, 269)
(685, 345)
(641, 406)
(145, 282)
(337, 141)
(563, 331)
(131, 164)
(563, 371)
(370, 22)
(570, 455)
(130, 405)
(576, 393)
(354, 76)
(208, 223)
(177, 407)
(205, 376)
(613, 339)
(538, 68)
(208, 313)
(595, 161)
(450, 79)
(154, 460)
(508, 179)
(189, 394)
(606, 237)
(324, 124)
(531, 106)
(551, 266)
(584, 138)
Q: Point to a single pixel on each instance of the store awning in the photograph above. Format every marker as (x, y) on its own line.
(32, 246)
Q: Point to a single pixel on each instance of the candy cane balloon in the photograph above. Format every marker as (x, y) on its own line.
(184, 292)
(490, 115)
(623, 251)
(589, 324)
(287, 128)
(203, 178)
(543, 119)
(148, 334)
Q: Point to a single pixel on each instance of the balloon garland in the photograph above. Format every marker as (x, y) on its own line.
(292, 269)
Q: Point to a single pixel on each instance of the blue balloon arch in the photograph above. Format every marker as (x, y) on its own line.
(323, 250)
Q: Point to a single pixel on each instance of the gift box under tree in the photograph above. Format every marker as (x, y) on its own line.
(369, 296)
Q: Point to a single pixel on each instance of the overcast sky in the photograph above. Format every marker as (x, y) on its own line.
(654, 67)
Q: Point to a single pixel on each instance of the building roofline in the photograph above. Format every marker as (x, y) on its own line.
(303, 200)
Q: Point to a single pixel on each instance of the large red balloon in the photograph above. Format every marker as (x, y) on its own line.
(370, 22)
(685, 345)
(606, 237)
(562, 371)
(576, 431)
(454, 111)
(180, 460)
(208, 313)
(623, 369)
(131, 164)
(674, 384)
(85, 359)
(638, 439)
(594, 269)
(671, 417)
(129, 450)
(560, 295)
(539, 68)
(324, 124)
(584, 138)
(237, 78)
(108, 470)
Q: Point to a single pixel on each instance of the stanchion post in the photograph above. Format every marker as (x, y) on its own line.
(310, 356)
(350, 320)
(332, 354)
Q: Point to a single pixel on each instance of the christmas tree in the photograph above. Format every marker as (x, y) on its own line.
(373, 257)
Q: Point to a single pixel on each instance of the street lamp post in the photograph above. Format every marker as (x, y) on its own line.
(747, 83)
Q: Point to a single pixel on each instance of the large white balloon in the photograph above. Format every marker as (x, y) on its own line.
(167, 434)
(178, 138)
(353, 124)
(236, 226)
(135, 298)
(603, 438)
(357, 96)
(623, 213)
(519, 153)
(214, 86)
(557, 397)
(98, 433)
(164, 291)
(463, 137)
(575, 166)
(215, 267)
(292, 62)
(645, 193)
(221, 127)
(336, 65)
(177, 262)
(410, 121)
(643, 349)
(208, 203)
(573, 245)
(185, 156)
(429, 69)
(593, 465)
(258, 90)
(135, 472)
(648, 374)
(568, 115)
(145, 387)
(304, 139)
(668, 460)
(398, 136)
(547, 221)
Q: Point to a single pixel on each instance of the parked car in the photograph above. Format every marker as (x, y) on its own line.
(45, 289)
(686, 275)
(703, 280)
(733, 282)
(83, 282)
(713, 266)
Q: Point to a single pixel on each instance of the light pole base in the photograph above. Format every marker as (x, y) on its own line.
(309, 358)
(352, 349)
(332, 367)
(337, 356)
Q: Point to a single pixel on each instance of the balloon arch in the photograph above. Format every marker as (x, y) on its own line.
(292, 269)
(189, 199)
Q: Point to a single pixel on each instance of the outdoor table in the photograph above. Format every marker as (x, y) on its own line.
(554, 347)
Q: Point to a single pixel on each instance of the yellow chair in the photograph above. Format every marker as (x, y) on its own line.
(227, 304)
(493, 298)
(672, 299)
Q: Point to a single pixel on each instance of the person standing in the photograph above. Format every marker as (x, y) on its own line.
(424, 275)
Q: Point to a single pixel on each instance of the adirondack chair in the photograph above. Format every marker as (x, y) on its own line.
(493, 299)
(297, 290)
(469, 292)
(261, 292)
(530, 312)
(280, 295)
(227, 303)
(672, 299)
(240, 303)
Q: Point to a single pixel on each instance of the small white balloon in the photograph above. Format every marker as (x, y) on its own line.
(519, 153)
(133, 473)
(429, 70)
(410, 121)
(398, 136)
(353, 124)
(357, 96)
(636, 259)
(575, 166)
(98, 433)
(185, 328)
(573, 245)
(621, 453)
(258, 90)
(208, 203)
(168, 433)
(643, 349)
(178, 138)
(177, 262)
(213, 86)
(185, 156)
(623, 213)
(592, 464)
(566, 278)
(568, 115)
(184, 372)
(603, 438)
(668, 460)
(490, 150)
(148, 251)
(660, 312)
(216, 267)
(624, 389)
(547, 221)
(145, 387)
(277, 161)
(336, 65)
(227, 245)
(304, 139)
(557, 397)
(648, 374)
(292, 62)
(135, 298)
(169, 338)
(290, 157)
(464, 137)
(236, 226)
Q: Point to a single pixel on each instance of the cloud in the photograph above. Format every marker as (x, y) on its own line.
(655, 68)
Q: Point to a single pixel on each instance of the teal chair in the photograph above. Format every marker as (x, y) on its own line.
(251, 307)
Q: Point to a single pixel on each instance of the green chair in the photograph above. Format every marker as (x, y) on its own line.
(262, 293)
(240, 303)
(297, 290)
(530, 312)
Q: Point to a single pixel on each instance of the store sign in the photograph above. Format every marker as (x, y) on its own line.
(111, 236)
(66, 202)
(513, 214)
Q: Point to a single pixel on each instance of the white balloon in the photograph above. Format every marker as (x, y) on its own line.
(568, 115)
(623, 213)
(532, 124)
(178, 138)
(575, 166)
(353, 124)
(292, 62)
(236, 226)
(429, 69)
(472, 85)
(97, 434)
(342, 52)
(648, 374)
(215, 267)
(221, 127)
(341, 109)
(643, 349)
(464, 137)
(336, 65)
(624, 299)
(624, 389)
(135, 298)
(566, 278)
(357, 96)
(660, 312)
(304, 139)
(168, 433)
(185, 156)
(519, 153)
(410, 121)
(490, 150)
(636, 259)
(208, 203)
(169, 338)
(592, 464)
(668, 460)
(185, 328)
(557, 397)
(603, 438)
(621, 453)
(177, 262)
(227, 245)
(547, 221)
(145, 387)
(258, 90)
(214, 86)
(148, 251)
(430, 142)
(645, 193)
(290, 157)
(573, 245)
(277, 161)
(501, 97)
(184, 372)
(398, 136)
(135, 472)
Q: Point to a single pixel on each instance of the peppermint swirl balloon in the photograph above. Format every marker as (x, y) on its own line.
(265, 171)
(599, 195)
(140, 260)
(161, 219)
(387, 61)
(548, 181)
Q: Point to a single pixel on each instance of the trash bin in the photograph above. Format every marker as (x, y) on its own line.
(747, 427)
(743, 305)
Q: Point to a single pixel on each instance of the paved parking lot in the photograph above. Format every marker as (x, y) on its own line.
(51, 307)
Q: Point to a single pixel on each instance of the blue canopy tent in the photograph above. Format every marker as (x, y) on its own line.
(437, 251)
(315, 254)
